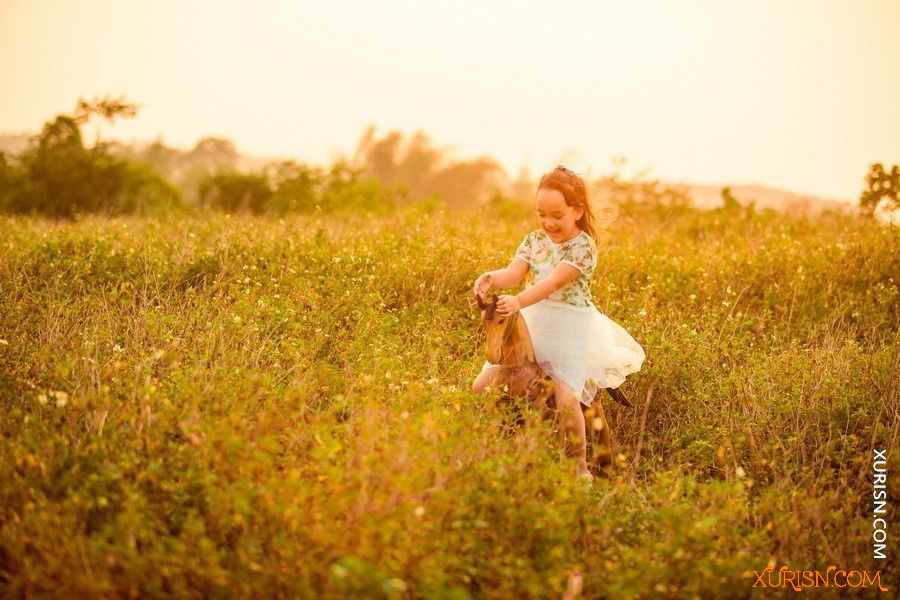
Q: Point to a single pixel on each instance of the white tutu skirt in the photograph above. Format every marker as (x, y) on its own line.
(580, 347)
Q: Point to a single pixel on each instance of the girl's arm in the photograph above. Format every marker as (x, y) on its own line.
(511, 275)
(561, 275)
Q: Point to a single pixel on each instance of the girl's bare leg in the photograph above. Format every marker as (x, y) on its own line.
(484, 379)
(571, 420)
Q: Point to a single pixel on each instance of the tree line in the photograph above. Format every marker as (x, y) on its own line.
(57, 174)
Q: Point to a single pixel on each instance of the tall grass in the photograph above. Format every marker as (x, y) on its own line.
(282, 407)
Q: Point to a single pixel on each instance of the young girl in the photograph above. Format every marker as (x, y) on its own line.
(582, 349)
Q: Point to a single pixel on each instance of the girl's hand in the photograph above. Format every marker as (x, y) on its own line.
(507, 305)
(483, 283)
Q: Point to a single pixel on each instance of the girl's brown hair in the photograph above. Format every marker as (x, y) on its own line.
(574, 191)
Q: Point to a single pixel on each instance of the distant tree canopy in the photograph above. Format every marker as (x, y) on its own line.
(419, 170)
(732, 206)
(880, 184)
(106, 107)
(56, 175)
(285, 187)
(235, 192)
(615, 194)
(187, 170)
(729, 202)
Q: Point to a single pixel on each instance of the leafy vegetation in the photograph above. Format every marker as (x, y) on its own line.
(881, 184)
(58, 176)
(257, 406)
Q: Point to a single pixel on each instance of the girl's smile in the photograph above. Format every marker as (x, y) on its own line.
(556, 217)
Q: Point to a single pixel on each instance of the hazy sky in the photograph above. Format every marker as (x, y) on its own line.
(795, 94)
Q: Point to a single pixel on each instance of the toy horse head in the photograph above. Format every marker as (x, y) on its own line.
(507, 339)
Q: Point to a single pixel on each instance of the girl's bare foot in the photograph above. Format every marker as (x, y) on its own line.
(581, 471)
(573, 590)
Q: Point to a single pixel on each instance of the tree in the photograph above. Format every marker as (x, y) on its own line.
(107, 108)
(214, 154)
(57, 176)
(235, 192)
(729, 202)
(296, 186)
(880, 184)
(419, 170)
(12, 178)
(210, 156)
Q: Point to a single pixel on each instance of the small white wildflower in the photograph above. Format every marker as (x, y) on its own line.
(339, 571)
(62, 398)
(394, 584)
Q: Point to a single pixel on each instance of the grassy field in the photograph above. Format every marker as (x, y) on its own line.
(228, 405)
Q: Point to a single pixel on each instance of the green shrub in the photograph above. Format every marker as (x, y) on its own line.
(58, 177)
(235, 192)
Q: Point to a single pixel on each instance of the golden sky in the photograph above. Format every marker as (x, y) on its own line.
(795, 94)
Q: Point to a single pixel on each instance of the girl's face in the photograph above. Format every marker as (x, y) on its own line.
(555, 216)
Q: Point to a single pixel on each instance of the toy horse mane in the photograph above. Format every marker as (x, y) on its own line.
(508, 341)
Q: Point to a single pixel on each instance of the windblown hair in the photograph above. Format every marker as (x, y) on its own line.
(574, 191)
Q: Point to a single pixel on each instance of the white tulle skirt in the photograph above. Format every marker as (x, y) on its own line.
(580, 347)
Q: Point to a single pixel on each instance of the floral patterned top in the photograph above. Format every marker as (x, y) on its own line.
(542, 254)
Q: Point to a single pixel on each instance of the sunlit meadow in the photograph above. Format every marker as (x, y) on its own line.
(232, 405)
